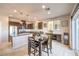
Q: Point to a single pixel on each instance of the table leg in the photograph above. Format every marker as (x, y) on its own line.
(40, 49)
(50, 44)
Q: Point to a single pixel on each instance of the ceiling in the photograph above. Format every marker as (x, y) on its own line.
(34, 11)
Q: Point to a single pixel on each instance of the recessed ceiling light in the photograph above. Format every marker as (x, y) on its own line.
(49, 12)
(15, 10)
(43, 6)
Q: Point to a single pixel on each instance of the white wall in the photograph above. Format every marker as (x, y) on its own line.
(4, 28)
(0, 31)
(50, 25)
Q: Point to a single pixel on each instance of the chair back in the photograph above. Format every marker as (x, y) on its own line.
(33, 46)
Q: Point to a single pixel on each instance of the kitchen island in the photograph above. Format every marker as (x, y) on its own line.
(20, 40)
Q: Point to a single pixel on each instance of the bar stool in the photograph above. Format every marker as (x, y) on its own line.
(45, 45)
(34, 47)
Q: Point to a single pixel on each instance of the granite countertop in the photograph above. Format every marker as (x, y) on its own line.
(22, 34)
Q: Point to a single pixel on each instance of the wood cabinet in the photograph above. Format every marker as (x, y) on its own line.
(57, 37)
(40, 25)
(30, 26)
(14, 23)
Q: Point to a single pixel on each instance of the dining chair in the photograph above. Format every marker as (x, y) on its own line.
(45, 47)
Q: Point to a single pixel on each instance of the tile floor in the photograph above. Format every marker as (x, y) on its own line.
(58, 49)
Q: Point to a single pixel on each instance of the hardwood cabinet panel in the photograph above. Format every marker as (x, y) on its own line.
(14, 23)
(30, 26)
(40, 25)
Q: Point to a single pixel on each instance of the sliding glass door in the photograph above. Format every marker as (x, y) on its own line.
(75, 34)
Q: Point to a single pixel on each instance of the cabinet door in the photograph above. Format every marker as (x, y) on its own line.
(30, 26)
(59, 38)
(40, 25)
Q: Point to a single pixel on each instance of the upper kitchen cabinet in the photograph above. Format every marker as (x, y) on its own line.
(57, 24)
(12, 23)
(31, 26)
(40, 25)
